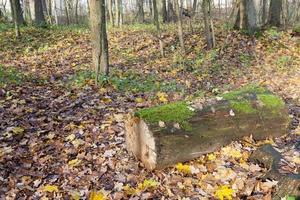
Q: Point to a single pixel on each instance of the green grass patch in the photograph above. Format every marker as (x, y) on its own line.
(10, 76)
(177, 112)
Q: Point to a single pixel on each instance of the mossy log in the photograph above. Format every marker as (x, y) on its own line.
(164, 135)
(288, 184)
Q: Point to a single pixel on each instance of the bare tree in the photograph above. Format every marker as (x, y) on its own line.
(110, 11)
(19, 11)
(208, 24)
(179, 25)
(164, 11)
(156, 22)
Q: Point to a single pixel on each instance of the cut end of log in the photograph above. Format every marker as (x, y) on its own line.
(141, 145)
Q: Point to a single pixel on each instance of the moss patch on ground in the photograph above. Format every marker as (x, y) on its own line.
(177, 112)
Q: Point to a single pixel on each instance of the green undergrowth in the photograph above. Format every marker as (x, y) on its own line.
(10, 76)
(177, 112)
(126, 82)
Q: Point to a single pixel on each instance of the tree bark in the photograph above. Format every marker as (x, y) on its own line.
(110, 12)
(67, 11)
(164, 11)
(194, 7)
(156, 137)
(275, 12)
(39, 13)
(104, 52)
(247, 17)
(19, 11)
(264, 12)
(179, 26)
(76, 12)
(208, 24)
(15, 17)
(156, 22)
(99, 37)
(140, 13)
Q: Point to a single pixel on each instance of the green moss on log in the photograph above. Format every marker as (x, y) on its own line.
(241, 93)
(270, 101)
(242, 107)
(178, 112)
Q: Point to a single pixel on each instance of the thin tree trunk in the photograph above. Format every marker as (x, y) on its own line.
(179, 24)
(96, 28)
(164, 11)
(208, 25)
(76, 12)
(264, 12)
(55, 12)
(110, 11)
(67, 11)
(15, 17)
(117, 4)
(104, 67)
(140, 14)
(156, 22)
(194, 7)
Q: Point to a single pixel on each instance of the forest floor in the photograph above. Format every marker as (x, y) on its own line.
(61, 137)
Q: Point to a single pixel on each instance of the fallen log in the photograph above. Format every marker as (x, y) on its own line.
(164, 135)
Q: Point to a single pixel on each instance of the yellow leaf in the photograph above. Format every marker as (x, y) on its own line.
(211, 157)
(224, 192)
(50, 188)
(296, 160)
(162, 97)
(139, 100)
(231, 152)
(97, 196)
(17, 130)
(148, 184)
(185, 169)
(71, 137)
(75, 162)
(130, 190)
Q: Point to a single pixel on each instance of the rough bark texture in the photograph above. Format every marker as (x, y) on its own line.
(216, 123)
(179, 26)
(96, 28)
(275, 12)
(288, 184)
(110, 12)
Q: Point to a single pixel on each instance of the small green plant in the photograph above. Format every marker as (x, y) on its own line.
(246, 59)
(273, 33)
(283, 61)
(10, 76)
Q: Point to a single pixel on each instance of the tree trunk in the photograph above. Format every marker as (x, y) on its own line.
(104, 68)
(179, 25)
(208, 24)
(67, 11)
(55, 12)
(140, 14)
(15, 17)
(19, 11)
(275, 12)
(39, 13)
(156, 22)
(264, 12)
(178, 132)
(110, 12)
(194, 7)
(171, 12)
(164, 11)
(76, 12)
(99, 37)
(247, 17)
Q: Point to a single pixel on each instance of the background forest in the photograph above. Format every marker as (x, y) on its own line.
(72, 70)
